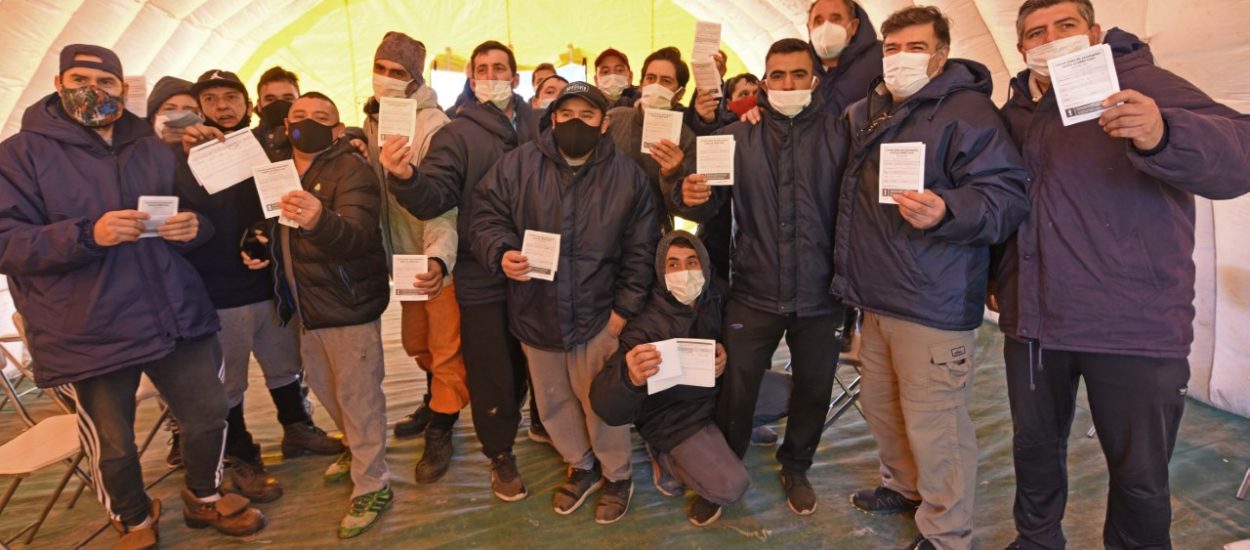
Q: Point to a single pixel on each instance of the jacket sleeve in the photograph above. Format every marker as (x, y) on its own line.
(492, 231)
(989, 198)
(349, 220)
(29, 245)
(671, 187)
(436, 184)
(698, 126)
(612, 395)
(442, 239)
(637, 261)
(1207, 145)
(202, 235)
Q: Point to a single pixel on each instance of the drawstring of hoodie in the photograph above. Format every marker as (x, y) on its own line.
(1040, 366)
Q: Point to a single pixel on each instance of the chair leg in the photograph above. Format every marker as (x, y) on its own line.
(8, 493)
(160, 421)
(56, 494)
(1245, 486)
(81, 486)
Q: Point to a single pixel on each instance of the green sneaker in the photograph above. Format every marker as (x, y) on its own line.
(365, 511)
(341, 468)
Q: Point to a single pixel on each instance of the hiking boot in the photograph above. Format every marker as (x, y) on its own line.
(365, 511)
(250, 480)
(763, 436)
(577, 486)
(799, 493)
(505, 480)
(415, 423)
(614, 501)
(437, 455)
(704, 512)
(341, 468)
(664, 481)
(880, 500)
(305, 438)
(231, 514)
(140, 538)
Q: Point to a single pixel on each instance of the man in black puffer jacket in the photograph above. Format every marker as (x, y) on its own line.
(679, 423)
(331, 272)
(572, 181)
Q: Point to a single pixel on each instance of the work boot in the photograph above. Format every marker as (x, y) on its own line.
(140, 538)
(415, 423)
(305, 438)
(437, 455)
(249, 478)
(231, 514)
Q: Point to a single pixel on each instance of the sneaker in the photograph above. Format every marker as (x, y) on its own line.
(415, 423)
(174, 458)
(250, 480)
(305, 438)
(880, 500)
(763, 436)
(365, 511)
(573, 492)
(704, 512)
(230, 515)
(538, 434)
(614, 501)
(799, 493)
(341, 468)
(664, 481)
(920, 543)
(140, 538)
(505, 480)
(437, 455)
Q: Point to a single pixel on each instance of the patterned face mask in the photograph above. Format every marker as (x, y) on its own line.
(91, 106)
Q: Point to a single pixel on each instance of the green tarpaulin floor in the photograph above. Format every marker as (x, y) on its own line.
(459, 511)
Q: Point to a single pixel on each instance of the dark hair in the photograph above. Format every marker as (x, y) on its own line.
(321, 96)
(277, 74)
(552, 77)
(737, 79)
(546, 67)
(488, 46)
(850, 6)
(787, 45)
(1085, 7)
(919, 15)
(672, 55)
(681, 242)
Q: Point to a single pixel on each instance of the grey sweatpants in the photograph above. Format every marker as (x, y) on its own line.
(255, 329)
(705, 463)
(344, 369)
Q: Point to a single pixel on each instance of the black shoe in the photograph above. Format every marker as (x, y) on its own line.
(573, 492)
(614, 501)
(250, 479)
(880, 500)
(704, 512)
(920, 543)
(437, 456)
(538, 434)
(305, 438)
(1014, 546)
(505, 480)
(415, 423)
(174, 458)
(799, 493)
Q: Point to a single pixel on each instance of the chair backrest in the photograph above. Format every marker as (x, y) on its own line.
(27, 364)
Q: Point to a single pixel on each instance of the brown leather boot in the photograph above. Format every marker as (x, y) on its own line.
(146, 538)
(231, 515)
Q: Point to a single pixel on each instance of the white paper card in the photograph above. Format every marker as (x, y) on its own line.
(160, 208)
(397, 116)
(543, 252)
(707, 77)
(219, 165)
(714, 156)
(272, 181)
(684, 361)
(660, 124)
(706, 40)
(137, 95)
(404, 271)
(901, 169)
(1081, 81)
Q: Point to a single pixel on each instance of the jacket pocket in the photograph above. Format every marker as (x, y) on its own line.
(1130, 262)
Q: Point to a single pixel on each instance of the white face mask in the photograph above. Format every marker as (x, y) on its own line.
(544, 103)
(1037, 58)
(789, 102)
(685, 286)
(498, 92)
(655, 96)
(612, 85)
(906, 73)
(385, 86)
(829, 40)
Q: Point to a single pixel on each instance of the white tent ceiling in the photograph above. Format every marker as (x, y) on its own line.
(1205, 41)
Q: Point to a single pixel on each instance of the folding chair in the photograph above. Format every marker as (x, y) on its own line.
(1245, 486)
(45, 443)
(849, 397)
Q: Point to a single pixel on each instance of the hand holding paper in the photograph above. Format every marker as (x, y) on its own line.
(715, 159)
(1082, 81)
(397, 116)
(273, 182)
(542, 250)
(404, 271)
(218, 165)
(900, 169)
(1133, 115)
(158, 209)
(658, 124)
(684, 361)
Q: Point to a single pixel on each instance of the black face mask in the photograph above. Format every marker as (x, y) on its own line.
(575, 138)
(247, 121)
(310, 136)
(272, 115)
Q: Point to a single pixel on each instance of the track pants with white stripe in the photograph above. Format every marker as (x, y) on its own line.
(190, 382)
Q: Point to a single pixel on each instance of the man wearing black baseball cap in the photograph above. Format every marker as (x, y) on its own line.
(572, 181)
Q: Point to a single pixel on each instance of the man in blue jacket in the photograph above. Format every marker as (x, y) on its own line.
(573, 182)
(785, 200)
(1099, 281)
(846, 52)
(918, 268)
(104, 306)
